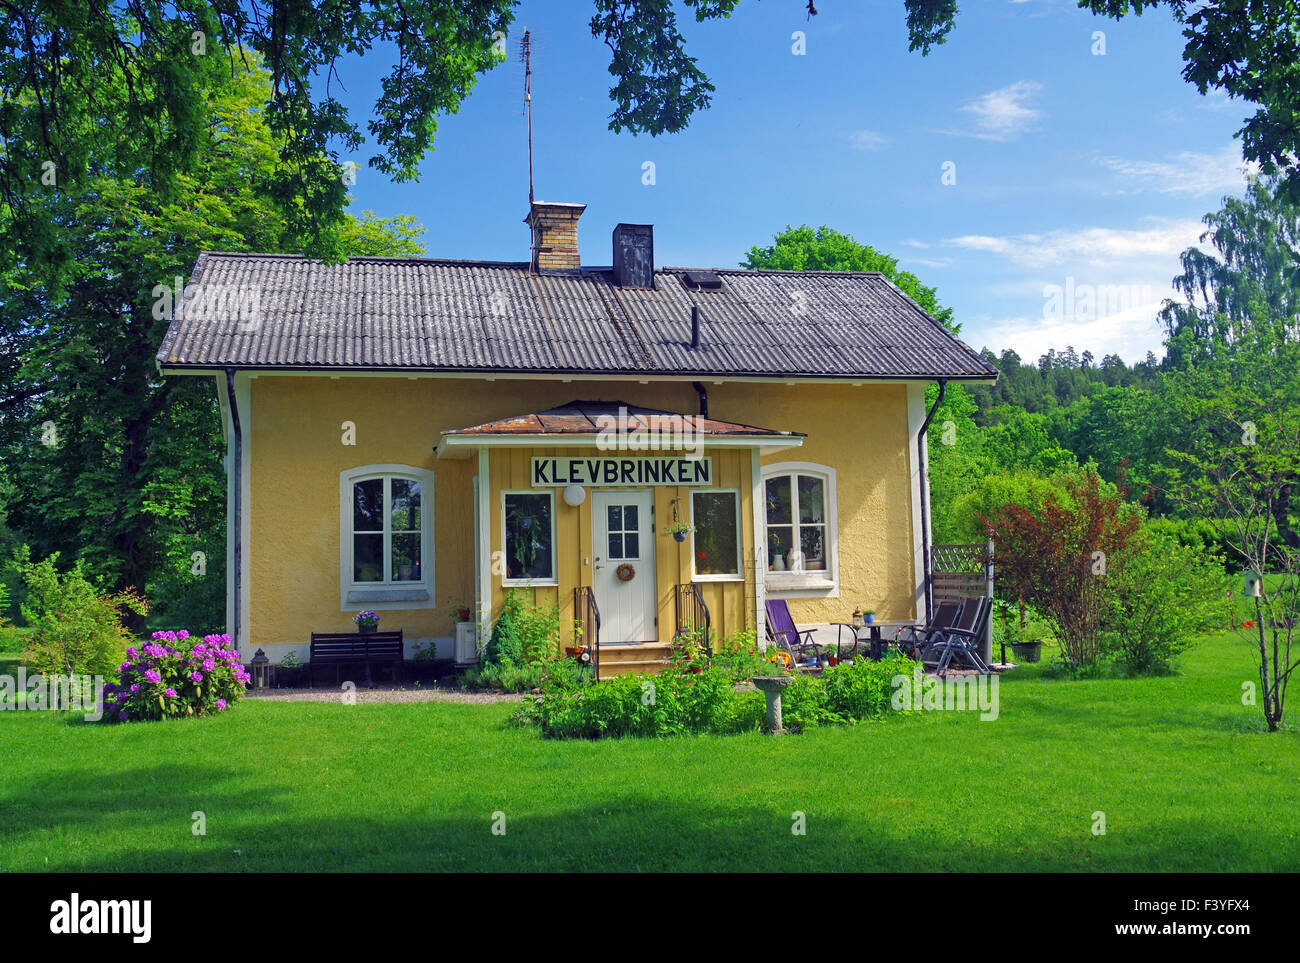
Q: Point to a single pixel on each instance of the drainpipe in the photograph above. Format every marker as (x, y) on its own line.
(925, 502)
(237, 509)
(704, 398)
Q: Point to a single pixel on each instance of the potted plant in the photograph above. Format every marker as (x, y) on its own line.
(870, 616)
(679, 530)
(290, 669)
(367, 622)
(1019, 634)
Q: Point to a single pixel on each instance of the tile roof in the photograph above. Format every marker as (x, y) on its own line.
(271, 311)
(581, 418)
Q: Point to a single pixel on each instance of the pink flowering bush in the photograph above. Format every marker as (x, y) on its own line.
(176, 675)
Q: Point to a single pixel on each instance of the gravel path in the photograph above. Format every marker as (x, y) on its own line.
(384, 693)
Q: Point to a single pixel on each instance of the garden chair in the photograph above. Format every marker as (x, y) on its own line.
(921, 639)
(962, 641)
(782, 630)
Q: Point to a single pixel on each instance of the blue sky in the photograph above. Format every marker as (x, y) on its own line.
(1085, 172)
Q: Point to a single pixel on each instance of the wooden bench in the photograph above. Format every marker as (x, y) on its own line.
(353, 648)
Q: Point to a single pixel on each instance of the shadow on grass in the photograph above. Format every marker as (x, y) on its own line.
(140, 820)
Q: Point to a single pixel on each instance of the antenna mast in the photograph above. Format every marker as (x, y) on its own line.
(527, 51)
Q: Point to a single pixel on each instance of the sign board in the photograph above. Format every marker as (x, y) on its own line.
(621, 472)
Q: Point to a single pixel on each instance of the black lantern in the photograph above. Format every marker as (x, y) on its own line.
(261, 667)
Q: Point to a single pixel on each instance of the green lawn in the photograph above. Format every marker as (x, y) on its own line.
(1185, 777)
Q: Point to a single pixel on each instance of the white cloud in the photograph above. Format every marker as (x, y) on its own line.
(868, 140)
(1186, 172)
(1130, 333)
(1003, 114)
(911, 242)
(1091, 246)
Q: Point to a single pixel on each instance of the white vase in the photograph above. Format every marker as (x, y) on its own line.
(778, 562)
(794, 560)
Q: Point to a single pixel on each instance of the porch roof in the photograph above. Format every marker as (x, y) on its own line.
(581, 422)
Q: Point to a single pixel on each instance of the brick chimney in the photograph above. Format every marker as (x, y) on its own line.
(555, 236)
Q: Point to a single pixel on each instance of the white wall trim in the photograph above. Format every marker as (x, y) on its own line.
(244, 403)
(484, 547)
(757, 503)
(919, 471)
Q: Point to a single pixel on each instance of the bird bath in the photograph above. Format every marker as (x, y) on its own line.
(771, 686)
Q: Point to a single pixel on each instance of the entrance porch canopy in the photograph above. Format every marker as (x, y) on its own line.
(613, 425)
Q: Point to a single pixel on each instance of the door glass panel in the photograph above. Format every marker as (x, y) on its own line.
(631, 545)
(629, 518)
(615, 515)
(615, 545)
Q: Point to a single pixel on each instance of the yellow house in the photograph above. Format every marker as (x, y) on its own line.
(663, 446)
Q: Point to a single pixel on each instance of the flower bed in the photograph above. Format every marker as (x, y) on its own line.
(176, 675)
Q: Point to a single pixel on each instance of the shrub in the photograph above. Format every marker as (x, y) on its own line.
(862, 689)
(524, 632)
(1055, 549)
(680, 703)
(671, 703)
(76, 625)
(175, 675)
(1163, 595)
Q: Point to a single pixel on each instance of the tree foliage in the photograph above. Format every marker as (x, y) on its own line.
(106, 461)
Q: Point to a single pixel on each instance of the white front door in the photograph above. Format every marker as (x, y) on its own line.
(622, 533)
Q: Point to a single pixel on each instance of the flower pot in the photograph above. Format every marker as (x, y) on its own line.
(368, 629)
(679, 536)
(871, 618)
(1028, 651)
(778, 562)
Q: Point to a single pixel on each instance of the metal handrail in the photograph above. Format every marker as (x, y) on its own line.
(691, 591)
(584, 601)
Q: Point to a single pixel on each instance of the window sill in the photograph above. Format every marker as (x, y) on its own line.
(362, 596)
(719, 578)
(806, 581)
(529, 583)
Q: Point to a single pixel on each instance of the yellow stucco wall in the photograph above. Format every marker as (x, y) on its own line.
(296, 457)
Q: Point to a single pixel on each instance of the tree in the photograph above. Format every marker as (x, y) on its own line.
(1248, 48)
(53, 56)
(1254, 275)
(109, 463)
(1243, 474)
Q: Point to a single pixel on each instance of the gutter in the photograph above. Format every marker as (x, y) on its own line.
(237, 484)
(922, 463)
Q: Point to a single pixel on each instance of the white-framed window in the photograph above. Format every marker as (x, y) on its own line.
(800, 529)
(528, 533)
(715, 546)
(386, 537)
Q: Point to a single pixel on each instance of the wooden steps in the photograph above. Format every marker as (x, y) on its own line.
(633, 658)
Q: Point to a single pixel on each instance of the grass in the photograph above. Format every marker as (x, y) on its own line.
(1182, 770)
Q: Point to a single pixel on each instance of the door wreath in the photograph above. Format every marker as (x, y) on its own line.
(625, 572)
